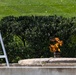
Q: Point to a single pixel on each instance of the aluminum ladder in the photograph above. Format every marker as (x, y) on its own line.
(4, 51)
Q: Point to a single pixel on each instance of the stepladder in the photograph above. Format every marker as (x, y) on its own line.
(4, 51)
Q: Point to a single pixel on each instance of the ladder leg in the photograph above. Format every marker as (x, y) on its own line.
(7, 62)
(4, 50)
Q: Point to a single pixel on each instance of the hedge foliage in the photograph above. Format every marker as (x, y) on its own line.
(29, 36)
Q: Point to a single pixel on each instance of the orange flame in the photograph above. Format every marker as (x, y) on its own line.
(55, 47)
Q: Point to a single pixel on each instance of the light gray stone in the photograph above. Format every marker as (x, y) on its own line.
(44, 61)
(35, 61)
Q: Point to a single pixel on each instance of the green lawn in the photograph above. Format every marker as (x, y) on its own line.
(65, 8)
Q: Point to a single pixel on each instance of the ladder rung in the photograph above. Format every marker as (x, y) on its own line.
(2, 56)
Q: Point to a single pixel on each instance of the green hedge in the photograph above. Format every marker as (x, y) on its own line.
(29, 36)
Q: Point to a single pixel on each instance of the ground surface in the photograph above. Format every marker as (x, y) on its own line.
(37, 7)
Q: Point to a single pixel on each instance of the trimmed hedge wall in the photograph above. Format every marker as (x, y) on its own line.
(29, 36)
